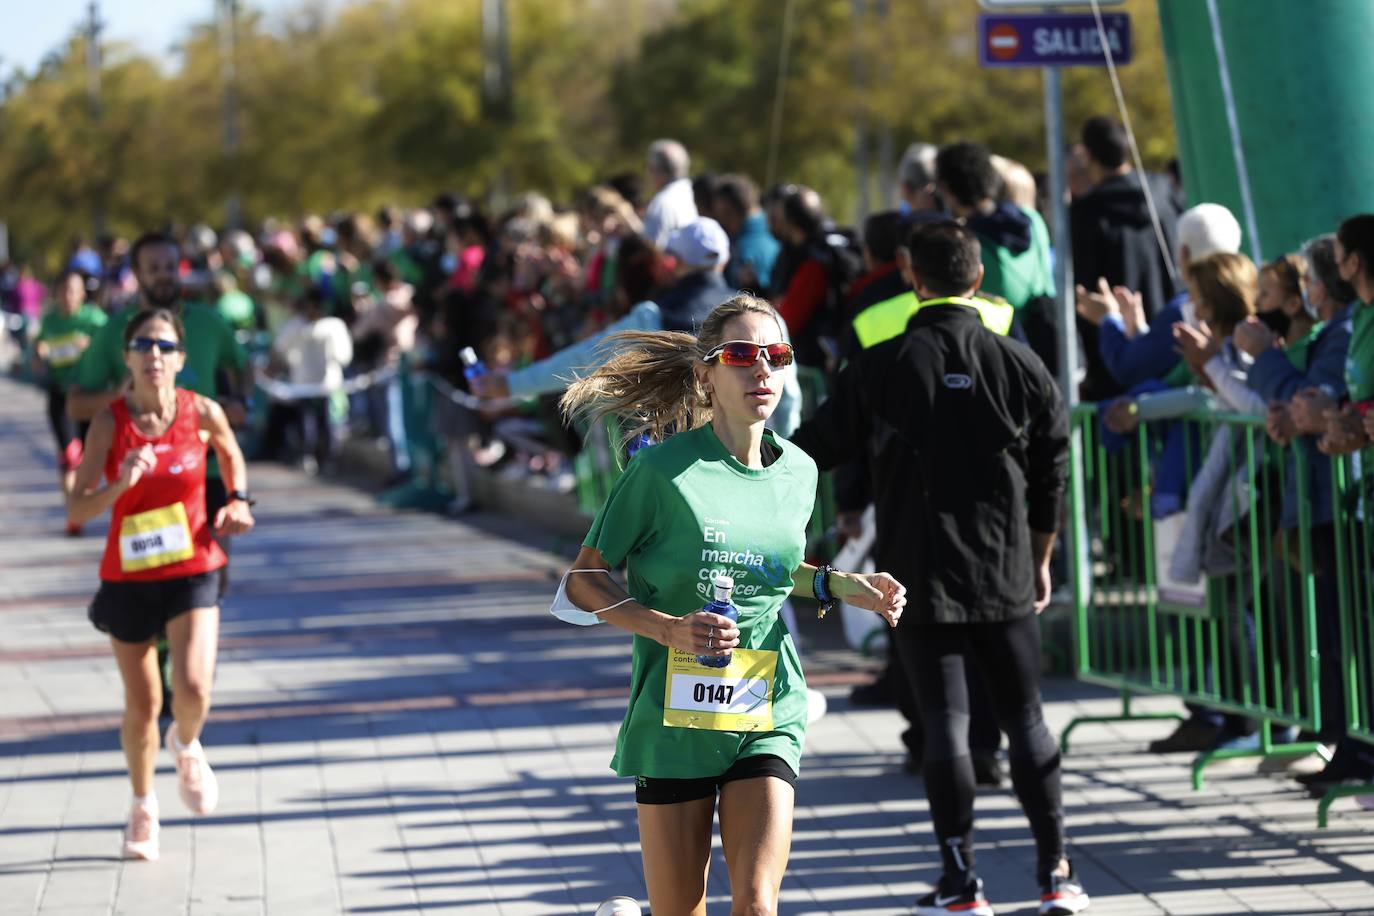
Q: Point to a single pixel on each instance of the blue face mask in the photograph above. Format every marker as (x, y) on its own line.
(448, 263)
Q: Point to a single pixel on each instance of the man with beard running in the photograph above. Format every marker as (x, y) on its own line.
(213, 354)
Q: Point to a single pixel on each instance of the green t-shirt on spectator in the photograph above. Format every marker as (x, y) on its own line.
(1019, 278)
(682, 512)
(1359, 358)
(1297, 351)
(66, 337)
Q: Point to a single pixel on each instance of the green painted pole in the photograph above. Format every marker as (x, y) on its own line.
(1299, 82)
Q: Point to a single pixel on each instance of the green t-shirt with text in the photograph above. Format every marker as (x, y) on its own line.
(684, 511)
(67, 336)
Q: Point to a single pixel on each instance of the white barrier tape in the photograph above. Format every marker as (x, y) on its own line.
(463, 398)
(278, 390)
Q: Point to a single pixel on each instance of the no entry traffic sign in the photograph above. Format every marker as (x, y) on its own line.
(1052, 40)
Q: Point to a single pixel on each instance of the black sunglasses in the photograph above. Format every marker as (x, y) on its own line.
(146, 344)
(743, 353)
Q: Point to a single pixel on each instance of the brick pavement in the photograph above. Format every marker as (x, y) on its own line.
(401, 728)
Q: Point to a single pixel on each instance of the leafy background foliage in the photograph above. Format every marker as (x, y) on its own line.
(381, 102)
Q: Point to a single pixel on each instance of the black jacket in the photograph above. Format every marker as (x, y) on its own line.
(968, 442)
(1114, 237)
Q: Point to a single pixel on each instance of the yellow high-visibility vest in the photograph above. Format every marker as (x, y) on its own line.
(889, 318)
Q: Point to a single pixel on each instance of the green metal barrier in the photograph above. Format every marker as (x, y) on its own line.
(597, 466)
(1353, 492)
(423, 487)
(1244, 642)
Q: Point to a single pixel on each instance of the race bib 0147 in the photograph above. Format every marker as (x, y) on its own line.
(158, 537)
(737, 698)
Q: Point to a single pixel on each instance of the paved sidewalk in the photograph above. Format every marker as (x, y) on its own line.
(400, 727)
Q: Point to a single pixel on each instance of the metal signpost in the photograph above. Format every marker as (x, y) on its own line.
(1052, 40)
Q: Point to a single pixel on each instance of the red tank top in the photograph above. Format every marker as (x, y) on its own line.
(159, 530)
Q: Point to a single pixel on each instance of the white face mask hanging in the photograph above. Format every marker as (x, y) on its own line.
(566, 611)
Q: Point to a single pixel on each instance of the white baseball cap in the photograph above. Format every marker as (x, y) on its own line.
(700, 243)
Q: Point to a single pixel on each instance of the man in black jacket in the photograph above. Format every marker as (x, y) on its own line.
(1114, 237)
(967, 439)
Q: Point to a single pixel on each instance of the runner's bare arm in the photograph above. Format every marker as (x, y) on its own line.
(592, 593)
(235, 517)
(87, 499)
(877, 592)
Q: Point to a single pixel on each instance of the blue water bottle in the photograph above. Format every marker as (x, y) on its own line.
(721, 605)
(637, 443)
(472, 366)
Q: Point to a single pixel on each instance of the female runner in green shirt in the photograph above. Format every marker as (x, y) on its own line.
(721, 497)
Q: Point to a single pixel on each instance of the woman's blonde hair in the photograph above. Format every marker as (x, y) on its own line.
(1229, 285)
(651, 385)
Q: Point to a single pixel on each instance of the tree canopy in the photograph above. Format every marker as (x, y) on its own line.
(382, 101)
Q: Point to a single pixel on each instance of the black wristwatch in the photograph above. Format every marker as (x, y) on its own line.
(241, 496)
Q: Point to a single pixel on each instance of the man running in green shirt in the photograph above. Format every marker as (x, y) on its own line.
(63, 335)
(211, 349)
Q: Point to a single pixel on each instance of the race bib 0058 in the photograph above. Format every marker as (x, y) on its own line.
(158, 537)
(737, 698)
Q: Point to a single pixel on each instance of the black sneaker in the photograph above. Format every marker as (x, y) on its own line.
(968, 902)
(1063, 896)
(878, 693)
(987, 770)
(1336, 771)
(1191, 736)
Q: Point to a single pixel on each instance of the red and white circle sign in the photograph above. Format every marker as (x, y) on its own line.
(1003, 41)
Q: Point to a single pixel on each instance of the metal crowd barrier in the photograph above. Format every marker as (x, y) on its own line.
(1243, 640)
(1353, 493)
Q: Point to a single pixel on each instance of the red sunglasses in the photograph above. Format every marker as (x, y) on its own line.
(743, 354)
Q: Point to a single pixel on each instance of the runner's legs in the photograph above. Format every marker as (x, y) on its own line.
(756, 833)
(142, 700)
(193, 638)
(676, 843)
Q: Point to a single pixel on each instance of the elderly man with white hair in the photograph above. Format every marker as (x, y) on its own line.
(916, 179)
(1132, 350)
(673, 205)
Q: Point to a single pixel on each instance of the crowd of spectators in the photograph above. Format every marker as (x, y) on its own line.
(1166, 304)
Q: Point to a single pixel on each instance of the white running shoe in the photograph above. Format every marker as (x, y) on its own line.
(195, 780)
(619, 906)
(816, 705)
(141, 833)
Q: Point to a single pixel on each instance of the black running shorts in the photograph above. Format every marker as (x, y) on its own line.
(136, 612)
(651, 791)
